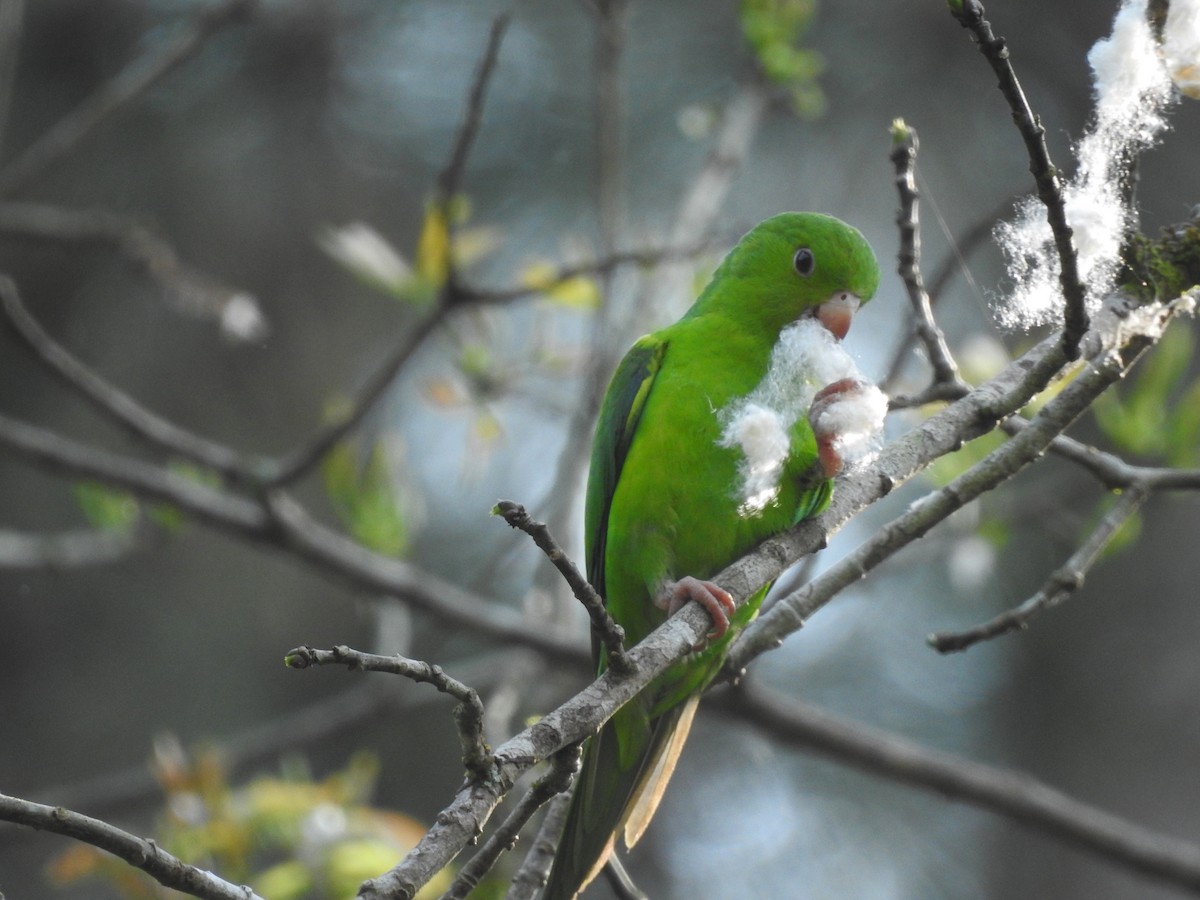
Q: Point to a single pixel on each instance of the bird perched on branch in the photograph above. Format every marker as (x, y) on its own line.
(715, 433)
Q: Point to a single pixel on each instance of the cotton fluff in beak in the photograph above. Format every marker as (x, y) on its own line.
(805, 359)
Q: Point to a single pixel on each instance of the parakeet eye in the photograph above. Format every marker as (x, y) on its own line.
(804, 262)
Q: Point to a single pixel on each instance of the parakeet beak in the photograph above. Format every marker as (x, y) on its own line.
(837, 312)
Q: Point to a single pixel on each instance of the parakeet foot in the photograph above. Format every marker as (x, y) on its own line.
(716, 601)
(824, 427)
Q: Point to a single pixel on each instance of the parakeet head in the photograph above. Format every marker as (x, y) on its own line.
(791, 266)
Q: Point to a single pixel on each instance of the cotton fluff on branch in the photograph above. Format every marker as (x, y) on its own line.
(1133, 91)
(805, 359)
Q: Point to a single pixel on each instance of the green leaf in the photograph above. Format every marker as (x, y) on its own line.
(1141, 417)
(774, 30)
(106, 508)
(364, 497)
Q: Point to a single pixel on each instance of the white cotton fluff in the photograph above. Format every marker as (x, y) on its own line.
(805, 359)
(857, 419)
(1133, 91)
(1181, 46)
(763, 439)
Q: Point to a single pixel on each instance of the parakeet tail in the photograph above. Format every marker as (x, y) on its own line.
(612, 798)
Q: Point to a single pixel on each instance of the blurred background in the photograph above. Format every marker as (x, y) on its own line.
(303, 116)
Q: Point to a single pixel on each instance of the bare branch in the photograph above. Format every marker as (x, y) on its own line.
(611, 635)
(1062, 583)
(128, 84)
(602, 266)
(955, 261)
(1109, 469)
(188, 289)
(1012, 794)
(563, 767)
(74, 459)
(112, 402)
(904, 159)
(969, 14)
(450, 179)
(279, 521)
(535, 868)
(468, 715)
(300, 461)
(138, 852)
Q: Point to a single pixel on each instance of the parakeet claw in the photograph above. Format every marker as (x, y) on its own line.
(716, 601)
(825, 430)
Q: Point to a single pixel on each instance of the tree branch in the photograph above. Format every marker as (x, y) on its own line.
(904, 159)
(138, 852)
(300, 461)
(969, 14)
(611, 635)
(279, 521)
(113, 403)
(535, 867)
(1007, 793)
(1062, 583)
(468, 715)
(193, 292)
(563, 767)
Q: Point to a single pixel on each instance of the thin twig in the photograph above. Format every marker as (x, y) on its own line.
(937, 391)
(468, 715)
(301, 460)
(111, 401)
(188, 289)
(602, 266)
(962, 246)
(610, 634)
(127, 85)
(1012, 794)
(450, 179)
(563, 767)
(1109, 469)
(138, 852)
(904, 159)
(531, 876)
(969, 14)
(1062, 583)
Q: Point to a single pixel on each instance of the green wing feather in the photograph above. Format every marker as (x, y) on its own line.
(597, 803)
(618, 421)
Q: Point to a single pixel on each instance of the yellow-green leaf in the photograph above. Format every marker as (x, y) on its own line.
(106, 508)
(576, 292)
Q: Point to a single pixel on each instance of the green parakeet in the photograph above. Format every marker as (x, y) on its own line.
(715, 433)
